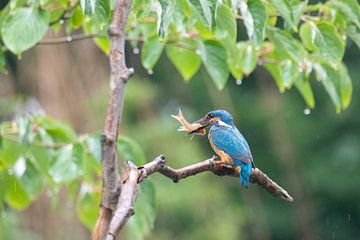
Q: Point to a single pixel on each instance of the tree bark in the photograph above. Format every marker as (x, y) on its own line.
(120, 74)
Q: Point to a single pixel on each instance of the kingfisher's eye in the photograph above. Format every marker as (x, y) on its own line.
(210, 115)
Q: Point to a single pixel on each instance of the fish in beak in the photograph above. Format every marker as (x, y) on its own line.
(203, 122)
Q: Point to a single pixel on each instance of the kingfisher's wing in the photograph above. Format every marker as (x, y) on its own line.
(231, 141)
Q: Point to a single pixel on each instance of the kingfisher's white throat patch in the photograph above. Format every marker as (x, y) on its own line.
(221, 123)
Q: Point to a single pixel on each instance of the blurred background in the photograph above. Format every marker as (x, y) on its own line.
(315, 156)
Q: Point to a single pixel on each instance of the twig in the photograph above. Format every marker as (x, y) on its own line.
(118, 78)
(134, 176)
(67, 39)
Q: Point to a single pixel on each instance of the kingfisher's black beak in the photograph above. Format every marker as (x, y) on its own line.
(203, 124)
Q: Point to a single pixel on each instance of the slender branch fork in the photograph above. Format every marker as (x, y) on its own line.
(134, 175)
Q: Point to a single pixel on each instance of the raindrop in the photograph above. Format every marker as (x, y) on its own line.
(150, 71)
(307, 111)
(349, 217)
(133, 24)
(62, 21)
(198, 51)
(136, 50)
(10, 172)
(69, 38)
(238, 81)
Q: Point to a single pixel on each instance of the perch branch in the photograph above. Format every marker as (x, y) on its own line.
(134, 176)
(120, 74)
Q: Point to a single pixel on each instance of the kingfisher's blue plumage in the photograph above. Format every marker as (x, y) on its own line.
(229, 143)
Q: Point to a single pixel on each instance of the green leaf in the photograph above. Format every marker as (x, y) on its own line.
(87, 206)
(143, 221)
(298, 8)
(307, 35)
(77, 18)
(59, 131)
(345, 86)
(354, 34)
(23, 29)
(186, 61)
(350, 8)
(66, 165)
(10, 152)
(151, 52)
(284, 71)
(16, 196)
(206, 10)
(243, 59)
(214, 57)
(103, 44)
(258, 13)
(275, 73)
(130, 150)
(168, 16)
(102, 12)
(225, 22)
(31, 178)
(287, 45)
(284, 8)
(336, 82)
(329, 43)
(41, 159)
(330, 79)
(304, 87)
(88, 7)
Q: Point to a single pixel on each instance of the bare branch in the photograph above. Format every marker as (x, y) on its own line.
(118, 78)
(210, 165)
(134, 176)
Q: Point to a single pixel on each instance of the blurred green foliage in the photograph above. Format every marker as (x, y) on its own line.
(315, 157)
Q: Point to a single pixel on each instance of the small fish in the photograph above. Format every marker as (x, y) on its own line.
(185, 126)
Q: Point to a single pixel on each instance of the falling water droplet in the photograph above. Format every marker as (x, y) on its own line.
(133, 24)
(307, 111)
(198, 51)
(349, 217)
(10, 172)
(69, 38)
(150, 71)
(238, 81)
(136, 50)
(62, 21)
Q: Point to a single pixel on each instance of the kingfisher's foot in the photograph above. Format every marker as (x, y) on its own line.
(238, 169)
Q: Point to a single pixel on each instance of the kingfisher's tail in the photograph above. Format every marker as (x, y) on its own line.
(245, 174)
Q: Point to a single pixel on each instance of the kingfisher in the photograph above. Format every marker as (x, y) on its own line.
(227, 142)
